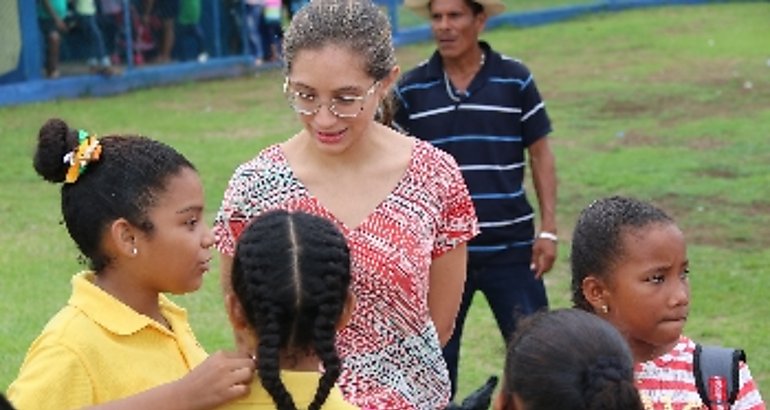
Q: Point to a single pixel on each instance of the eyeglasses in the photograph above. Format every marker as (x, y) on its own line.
(344, 106)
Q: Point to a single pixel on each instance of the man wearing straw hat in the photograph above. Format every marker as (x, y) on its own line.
(484, 109)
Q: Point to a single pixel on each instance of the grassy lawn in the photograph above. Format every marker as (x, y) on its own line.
(670, 104)
(407, 18)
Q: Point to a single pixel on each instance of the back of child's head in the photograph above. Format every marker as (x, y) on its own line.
(569, 359)
(103, 180)
(597, 242)
(291, 273)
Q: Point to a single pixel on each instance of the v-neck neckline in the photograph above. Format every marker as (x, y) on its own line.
(374, 211)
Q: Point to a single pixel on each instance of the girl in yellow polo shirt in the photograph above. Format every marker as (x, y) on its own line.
(287, 297)
(134, 208)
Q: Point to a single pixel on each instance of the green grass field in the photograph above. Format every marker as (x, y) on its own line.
(669, 104)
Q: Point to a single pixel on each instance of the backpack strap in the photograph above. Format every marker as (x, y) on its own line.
(710, 361)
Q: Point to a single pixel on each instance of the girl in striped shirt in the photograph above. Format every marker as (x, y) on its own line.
(630, 266)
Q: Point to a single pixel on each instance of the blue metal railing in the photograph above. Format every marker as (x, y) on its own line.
(27, 85)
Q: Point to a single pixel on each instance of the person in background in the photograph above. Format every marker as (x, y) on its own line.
(190, 28)
(253, 17)
(134, 208)
(98, 59)
(630, 267)
(401, 204)
(484, 109)
(111, 22)
(50, 15)
(287, 297)
(567, 359)
(273, 29)
(293, 6)
(168, 12)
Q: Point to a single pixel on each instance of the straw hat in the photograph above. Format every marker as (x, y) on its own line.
(491, 7)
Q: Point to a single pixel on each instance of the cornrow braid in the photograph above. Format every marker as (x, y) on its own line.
(124, 183)
(268, 365)
(607, 385)
(291, 274)
(597, 243)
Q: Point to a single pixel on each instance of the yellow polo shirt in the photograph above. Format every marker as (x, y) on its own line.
(97, 349)
(302, 387)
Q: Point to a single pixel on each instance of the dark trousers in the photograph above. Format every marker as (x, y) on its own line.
(511, 291)
(96, 48)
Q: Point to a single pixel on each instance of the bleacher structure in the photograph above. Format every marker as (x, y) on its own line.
(22, 79)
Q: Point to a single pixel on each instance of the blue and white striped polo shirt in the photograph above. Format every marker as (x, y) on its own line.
(487, 129)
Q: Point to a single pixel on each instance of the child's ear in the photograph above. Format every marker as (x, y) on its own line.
(595, 292)
(245, 339)
(347, 310)
(235, 312)
(121, 237)
(505, 401)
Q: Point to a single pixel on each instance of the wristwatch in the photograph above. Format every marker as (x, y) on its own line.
(548, 235)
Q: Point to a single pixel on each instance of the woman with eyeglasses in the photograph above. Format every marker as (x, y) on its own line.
(401, 204)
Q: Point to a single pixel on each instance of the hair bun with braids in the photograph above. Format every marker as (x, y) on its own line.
(55, 140)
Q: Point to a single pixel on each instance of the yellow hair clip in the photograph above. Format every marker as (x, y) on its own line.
(88, 150)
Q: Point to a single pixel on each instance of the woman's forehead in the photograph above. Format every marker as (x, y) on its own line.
(330, 62)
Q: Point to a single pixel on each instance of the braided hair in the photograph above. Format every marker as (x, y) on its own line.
(568, 359)
(358, 25)
(597, 243)
(291, 273)
(124, 183)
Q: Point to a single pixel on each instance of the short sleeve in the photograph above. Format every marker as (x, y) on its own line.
(52, 377)
(457, 221)
(748, 395)
(264, 183)
(535, 122)
(232, 216)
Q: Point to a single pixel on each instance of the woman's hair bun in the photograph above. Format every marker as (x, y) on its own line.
(55, 140)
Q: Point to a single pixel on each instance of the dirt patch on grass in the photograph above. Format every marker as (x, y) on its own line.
(709, 73)
(626, 108)
(637, 139)
(705, 143)
(721, 173)
(753, 232)
(669, 109)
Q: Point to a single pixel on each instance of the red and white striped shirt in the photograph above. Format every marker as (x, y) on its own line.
(668, 382)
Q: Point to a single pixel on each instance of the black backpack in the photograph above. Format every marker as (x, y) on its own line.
(715, 361)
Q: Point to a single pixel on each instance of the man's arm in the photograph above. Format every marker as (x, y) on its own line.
(543, 166)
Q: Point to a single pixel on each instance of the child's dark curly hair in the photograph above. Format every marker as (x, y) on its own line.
(596, 241)
(568, 359)
(291, 273)
(124, 183)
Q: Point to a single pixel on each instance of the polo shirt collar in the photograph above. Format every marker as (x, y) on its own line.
(436, 66)
(435, 72)
(114, 315)
(301, 385)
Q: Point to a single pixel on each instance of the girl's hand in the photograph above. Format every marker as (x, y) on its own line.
(222, 377)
